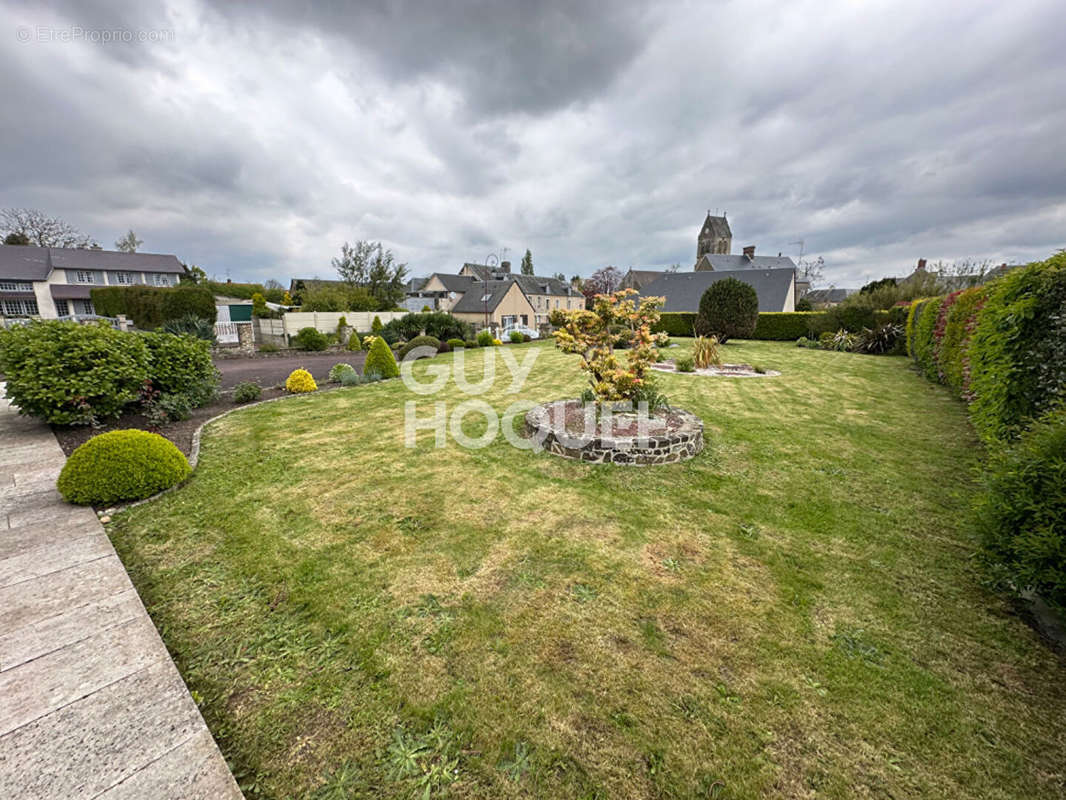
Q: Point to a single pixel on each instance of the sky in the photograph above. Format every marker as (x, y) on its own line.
(253, 139)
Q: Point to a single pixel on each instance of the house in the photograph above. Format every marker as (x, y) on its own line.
(639, 278)
(494, 296)
(776, 288)
(827, 298)
(51, 282)
(727, 263)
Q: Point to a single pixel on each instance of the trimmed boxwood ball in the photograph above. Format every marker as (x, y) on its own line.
(380, 360)
(729, 309)
(299, 381)
(419, 341)
(121, 465)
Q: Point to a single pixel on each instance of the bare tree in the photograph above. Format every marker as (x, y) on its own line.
(811, 270)
(129, 243)
(42, 230)
(603, 281)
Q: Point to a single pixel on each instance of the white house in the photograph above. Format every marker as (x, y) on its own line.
(51, 282)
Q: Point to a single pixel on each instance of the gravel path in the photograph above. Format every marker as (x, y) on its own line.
(273, 370)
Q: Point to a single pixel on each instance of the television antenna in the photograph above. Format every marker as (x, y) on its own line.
(801, 244)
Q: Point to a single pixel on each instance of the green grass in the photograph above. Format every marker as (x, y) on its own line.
(795, 612)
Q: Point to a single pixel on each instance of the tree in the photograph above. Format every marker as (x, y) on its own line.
(41, 230)
(259, 306)
(370, 266)
(129, 243)
(809, 270)
(728, 309)
(605, 280)
(804, 305)
(673, 267)
(193, 274)
(559, 277)
(17, 239)
(593, 334)
(527, 263)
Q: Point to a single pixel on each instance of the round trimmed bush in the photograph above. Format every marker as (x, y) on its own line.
(419, 341)
(246, 392)
(729, 309)
(454, 343)
(380, 360)
(300, 381)
(121, 465)
(337, 370)
(310, 339)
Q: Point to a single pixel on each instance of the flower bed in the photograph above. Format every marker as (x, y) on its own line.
(572, 429)
(722, 370)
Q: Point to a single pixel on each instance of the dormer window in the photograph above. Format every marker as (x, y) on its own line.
(84, 276)
(124, 278)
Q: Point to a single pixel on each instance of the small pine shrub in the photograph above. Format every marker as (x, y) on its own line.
(485, 338)
(684, 364)
(121, 465)
(380, 360)
(376, 326)
(454, 343)
(247, 392)
(353, 342)
(310, 339)
(300, 381)
(337, 370)
(418, 341)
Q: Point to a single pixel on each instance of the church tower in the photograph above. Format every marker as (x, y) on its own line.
(715, 237)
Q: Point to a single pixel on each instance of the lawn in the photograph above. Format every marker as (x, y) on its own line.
(795, 612)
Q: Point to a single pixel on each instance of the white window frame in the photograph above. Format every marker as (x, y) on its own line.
(124, 278)
(160, 279)
(20, 308)
(16, 286)
(84, 276)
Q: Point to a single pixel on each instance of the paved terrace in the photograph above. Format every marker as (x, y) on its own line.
(91, 705)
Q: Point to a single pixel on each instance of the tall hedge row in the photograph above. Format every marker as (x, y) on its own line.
(150, 307)
(787, 326)
(1002, 348)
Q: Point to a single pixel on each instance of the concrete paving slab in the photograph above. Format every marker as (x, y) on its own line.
(48, 558)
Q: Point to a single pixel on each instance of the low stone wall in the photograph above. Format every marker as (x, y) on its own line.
(668, 447)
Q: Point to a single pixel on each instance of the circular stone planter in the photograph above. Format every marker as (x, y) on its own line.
(722, 371)
(563, 429)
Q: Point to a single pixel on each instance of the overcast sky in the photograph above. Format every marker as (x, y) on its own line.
(254, 138)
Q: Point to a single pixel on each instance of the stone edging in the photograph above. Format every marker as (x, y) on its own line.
(669, 448)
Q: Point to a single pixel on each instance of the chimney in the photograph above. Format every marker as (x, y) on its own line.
(921, 265)
(505, 266)
(749, 252)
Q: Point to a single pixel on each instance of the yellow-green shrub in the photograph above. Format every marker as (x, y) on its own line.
(121, 465)
(380, 360)
(300, 381)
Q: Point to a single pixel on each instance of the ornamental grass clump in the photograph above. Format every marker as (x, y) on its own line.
(588, 334)
(300, 381)
(121, 465)
(705, 352)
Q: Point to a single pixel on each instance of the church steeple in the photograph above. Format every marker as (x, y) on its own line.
(715, 237)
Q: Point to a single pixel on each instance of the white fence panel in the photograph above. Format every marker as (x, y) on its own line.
(226, 332)
(326, 321)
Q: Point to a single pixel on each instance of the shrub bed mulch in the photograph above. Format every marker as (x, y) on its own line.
(721, 371)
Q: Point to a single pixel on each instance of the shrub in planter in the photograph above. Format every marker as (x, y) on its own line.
(121, 465)
(299, 381)
(454, 343)
(354, 342)
(70, 374)
(1022, 512)
(684, 364)
(729, 309)
(380, 360)
(247, 392)
(485, 339)
(516, 337)
(182, 365)
(310, 339)
(337, 370)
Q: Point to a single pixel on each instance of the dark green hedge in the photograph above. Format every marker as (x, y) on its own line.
(149, 307)
(787, 326)
(675, 323)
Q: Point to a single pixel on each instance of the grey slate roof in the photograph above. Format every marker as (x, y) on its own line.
(639, 278)
(72, 258)
(483, 271)
(828, 295)
(35, 263)
(24, 263)
(730, 262)
(683, 290)
(471, 302)
(454, 283)
(537, 284)
(415, 285)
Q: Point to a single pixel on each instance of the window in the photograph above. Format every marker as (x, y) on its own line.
(123, 278)
(19, 308)
(159, 279)
(84, 307)
(16, 286)
(62, 308)
(84, 276)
